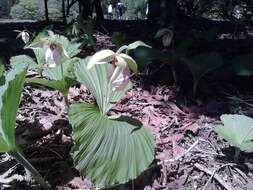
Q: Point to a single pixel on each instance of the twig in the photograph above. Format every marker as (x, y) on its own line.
(210, 153)
(214, 175)
(182, 155)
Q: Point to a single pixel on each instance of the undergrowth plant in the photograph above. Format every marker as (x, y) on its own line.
(238, 131)
(180, 53)
(54, 61)
(10, 93)
(108, 149)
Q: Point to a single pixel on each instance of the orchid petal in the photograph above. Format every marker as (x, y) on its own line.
(130, 62)
(120, 66)
(101, 57)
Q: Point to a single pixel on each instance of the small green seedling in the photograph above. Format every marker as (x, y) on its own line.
(238, 131)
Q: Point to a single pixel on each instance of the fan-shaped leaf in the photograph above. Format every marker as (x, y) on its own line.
(109, 151)
(237, 130)
(10, 94)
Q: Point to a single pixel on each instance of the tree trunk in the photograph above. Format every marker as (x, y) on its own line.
(64, 12)
(46, 10)
(86, 8)
(99, 11)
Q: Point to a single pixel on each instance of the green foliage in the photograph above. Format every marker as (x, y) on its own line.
(109, 151)
(2, 67)
(10, 94)
(243, 65)
(118, 38)
(145, 55)
(54, 78)
(81, 30)
(61, 77)
(27, 9)
(237, 130)
(96, 80)
(34, 10)
(202, 64)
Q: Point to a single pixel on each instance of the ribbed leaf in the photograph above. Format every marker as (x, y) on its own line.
(20, 59)
(109, 151)
(54, 84)
(237, 130)
(96, 80)
(55, 78)
(10, 94)
(40, 56)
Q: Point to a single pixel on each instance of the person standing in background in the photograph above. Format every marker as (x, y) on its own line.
(120, 9)
(109, 11)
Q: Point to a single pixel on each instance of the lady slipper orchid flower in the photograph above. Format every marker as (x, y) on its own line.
(53, 55)
(119, 72)
(54, 50)
(121, 81)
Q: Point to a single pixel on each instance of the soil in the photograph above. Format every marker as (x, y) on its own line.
(189, 154)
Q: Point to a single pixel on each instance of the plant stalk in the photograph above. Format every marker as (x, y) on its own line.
(237, 154)
(36, 175)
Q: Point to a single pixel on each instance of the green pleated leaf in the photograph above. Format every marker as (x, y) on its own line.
(237, 130)
(109, 151)
(10, 94)
(40, 56)
(54, 84)
(20, 59)
(2, 67)
(55, 78)
(96, 80)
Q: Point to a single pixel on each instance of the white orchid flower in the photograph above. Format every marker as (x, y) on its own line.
(54, 50)
(25, 36)
(119, 72)
(121, 80)
(53, 56)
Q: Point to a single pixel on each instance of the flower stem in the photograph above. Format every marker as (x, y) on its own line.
(24, 162)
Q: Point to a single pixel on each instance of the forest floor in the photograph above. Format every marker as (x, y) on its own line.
(189, 154)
